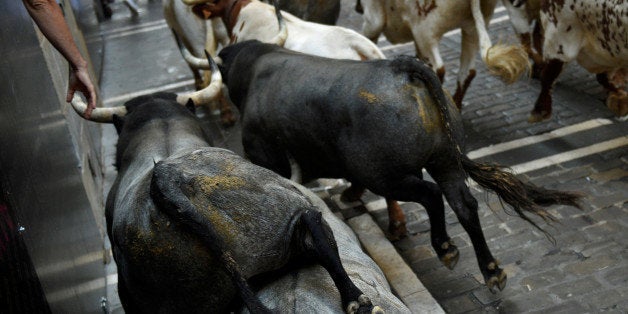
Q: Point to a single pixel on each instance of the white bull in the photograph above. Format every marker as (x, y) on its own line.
(593, 32)
(253, 19)
(426, 21)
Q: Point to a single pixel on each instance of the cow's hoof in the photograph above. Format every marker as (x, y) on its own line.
(450, 258)
(618, 103)
(496, 279)
(397, 230)
(539, 117)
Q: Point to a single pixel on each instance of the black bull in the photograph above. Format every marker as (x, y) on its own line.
(377, 124)
(189, 224)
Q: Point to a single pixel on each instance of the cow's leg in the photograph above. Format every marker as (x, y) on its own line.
(428, 194)
(323, 246)
(427, 49)
(374, 19)
(396, 220)
(266, 154)
(543, 106)
(617, 100)
(167, 187)
(465, 206)
(537, 54)
(227, 118)
(470, 45)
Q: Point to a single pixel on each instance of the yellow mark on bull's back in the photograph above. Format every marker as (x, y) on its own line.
(210, 184)
(426, 115)
(370, 97)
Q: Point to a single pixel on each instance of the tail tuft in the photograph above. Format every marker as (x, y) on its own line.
(507, 62)
(522, 197)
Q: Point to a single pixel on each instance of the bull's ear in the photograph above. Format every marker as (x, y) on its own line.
(190, 105)
(118, 122)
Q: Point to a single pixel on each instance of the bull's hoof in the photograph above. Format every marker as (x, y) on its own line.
(496, 278)
(618, 103)
(363, 306)
(397, 230)
(539, 117)
(450, 258)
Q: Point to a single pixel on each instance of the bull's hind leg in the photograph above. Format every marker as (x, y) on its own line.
(323, 246)
(466, 208)
(428, 194)
(166, 189)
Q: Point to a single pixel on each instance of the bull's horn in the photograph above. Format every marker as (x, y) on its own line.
(102, 115)
(207, 94)
(192, 60)
(281, 37)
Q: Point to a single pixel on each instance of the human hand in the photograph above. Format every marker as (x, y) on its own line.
(79, 80)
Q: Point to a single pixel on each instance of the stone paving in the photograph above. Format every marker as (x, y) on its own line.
(586, 270)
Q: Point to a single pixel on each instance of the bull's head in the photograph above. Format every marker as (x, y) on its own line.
(201, 97)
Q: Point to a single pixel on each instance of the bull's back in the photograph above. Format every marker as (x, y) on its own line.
(330, 113)
(167, 268)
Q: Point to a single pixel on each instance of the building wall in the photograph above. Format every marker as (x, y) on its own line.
(50, 170)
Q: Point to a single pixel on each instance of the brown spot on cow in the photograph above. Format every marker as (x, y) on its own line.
(426, 8)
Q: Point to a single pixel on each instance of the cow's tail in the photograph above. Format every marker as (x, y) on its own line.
(282, 35)
(507, 61)
(521, 196)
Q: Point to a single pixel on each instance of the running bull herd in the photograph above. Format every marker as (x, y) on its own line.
(200, 229)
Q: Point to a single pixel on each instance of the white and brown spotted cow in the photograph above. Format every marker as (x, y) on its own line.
(426, 21)
(593, 32)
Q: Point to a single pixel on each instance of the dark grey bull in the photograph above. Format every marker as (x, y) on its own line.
(377, 124)
(191, 224)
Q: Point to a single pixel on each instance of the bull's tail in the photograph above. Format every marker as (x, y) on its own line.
(522, 197)
(507, 61)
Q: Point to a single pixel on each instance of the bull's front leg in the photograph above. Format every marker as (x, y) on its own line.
(543, 106)
(323, 246)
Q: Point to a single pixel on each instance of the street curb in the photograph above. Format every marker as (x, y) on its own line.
(400, 276)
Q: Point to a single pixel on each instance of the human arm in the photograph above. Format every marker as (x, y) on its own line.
(49, 18)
